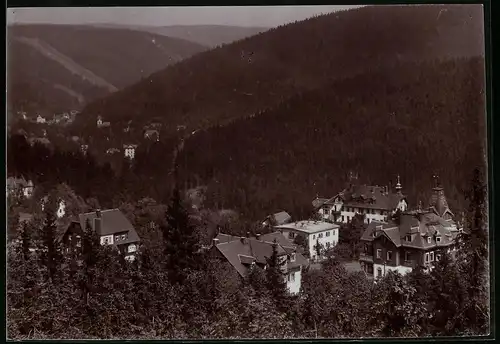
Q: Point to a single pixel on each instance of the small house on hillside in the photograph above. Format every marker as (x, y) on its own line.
(245, 254)
(112, 227)
(276, 219)
(152, 134)
(129, 151)
(19, 186)
(40, 119)
(101, 124)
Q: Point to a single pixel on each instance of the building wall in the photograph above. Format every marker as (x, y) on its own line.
(132, 248)
(403, 270)
(294, 284)
(109, 237)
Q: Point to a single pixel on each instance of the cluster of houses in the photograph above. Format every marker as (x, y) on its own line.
(395, 238)
(61, 119)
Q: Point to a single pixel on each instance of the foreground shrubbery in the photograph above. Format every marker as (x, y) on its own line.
(51, 296)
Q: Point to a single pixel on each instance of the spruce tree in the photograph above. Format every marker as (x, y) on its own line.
(473, 256)
(275, 277)
(181, 241)
(25, 238)
(51, 254)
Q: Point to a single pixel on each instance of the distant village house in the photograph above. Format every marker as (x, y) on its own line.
(129, 150)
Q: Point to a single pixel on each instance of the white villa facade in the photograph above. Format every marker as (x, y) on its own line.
(376, 203)
(314, 232)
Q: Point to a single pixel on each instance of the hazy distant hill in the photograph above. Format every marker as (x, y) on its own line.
(207, 35)
(59, 67)
(262, 71)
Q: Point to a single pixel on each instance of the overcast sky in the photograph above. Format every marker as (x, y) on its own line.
(264, 16)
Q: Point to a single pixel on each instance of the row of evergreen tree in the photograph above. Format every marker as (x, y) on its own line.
(181, 291)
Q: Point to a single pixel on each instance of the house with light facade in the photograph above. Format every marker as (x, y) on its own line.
(410, 239)
(313, 232)
(247, 253)
(112, 227)
(129, 151)
(19, 186)
(376, 203)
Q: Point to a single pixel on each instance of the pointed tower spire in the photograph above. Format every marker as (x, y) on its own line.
(398, 186)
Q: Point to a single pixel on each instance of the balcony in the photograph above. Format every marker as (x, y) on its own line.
(365, 257)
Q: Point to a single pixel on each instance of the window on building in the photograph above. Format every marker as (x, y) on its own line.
(379, 253)
(334, 243)
(431, 256)
(320, 235)
(327, 234)
(407, 256)
(124, 236)
(427, 257)
(333, 232)
(343, 219)
(389, 255)
(428, 239)
(327, 245)
(106, 241)
(292, 276)
(438, 239)
(291, 235)
(314, 236)
(365, 248)
(438, 257)
(379, 272)
(408, 238)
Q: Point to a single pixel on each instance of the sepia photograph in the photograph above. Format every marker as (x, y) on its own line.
(247, 172)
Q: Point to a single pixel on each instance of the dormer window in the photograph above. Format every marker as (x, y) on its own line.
(429, 239)
(408, 238)
(438, 239)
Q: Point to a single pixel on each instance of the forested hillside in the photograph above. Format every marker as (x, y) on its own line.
(415, 119)
(64, 66)
(261, 71)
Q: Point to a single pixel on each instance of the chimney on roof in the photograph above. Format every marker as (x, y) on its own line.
(215, 241)
(97, 225)
(98, 213)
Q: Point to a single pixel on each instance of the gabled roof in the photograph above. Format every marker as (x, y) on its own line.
(438, 202)
(364, 196)
(241, 252)
(417, 225)
(112, 222)
(281, 218)
(372, 197)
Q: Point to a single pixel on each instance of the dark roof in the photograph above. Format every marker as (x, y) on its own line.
(241, 252)
(364, 196)
(112, 222)
(282, 217)
(438, 202)
(374, 197)
(419, 225)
